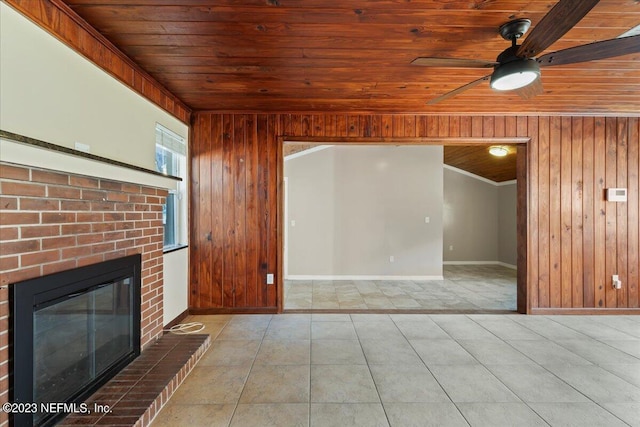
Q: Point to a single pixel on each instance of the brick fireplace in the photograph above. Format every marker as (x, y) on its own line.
(53, 221)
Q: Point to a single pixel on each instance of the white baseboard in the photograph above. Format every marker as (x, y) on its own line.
(357, 277)
(503, 264)
(511, 266)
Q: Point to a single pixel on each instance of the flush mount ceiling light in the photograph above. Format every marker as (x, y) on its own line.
(498, 151)
(515, 74)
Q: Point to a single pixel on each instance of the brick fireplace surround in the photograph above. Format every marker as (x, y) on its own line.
(53, 221)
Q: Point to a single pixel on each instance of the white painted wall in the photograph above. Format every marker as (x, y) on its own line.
(356, 206)
(176, 292)
(470, 218)
(51, 93)
(479, 219)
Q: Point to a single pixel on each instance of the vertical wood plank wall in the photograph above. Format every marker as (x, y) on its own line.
(576, 239)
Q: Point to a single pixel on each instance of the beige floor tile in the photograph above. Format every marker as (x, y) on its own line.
(442, 352)
(424, 415)
(389, 352)
(378, 302)
(284, 352)
(333, 330)
(271, 415)
(293, 331)
(626, 324)
(471, 383)
(406, 383)
(504, 327)
(597, 352)
(229, 353)
(597, 384)
(174, 415)
(597, 330)
(352, 305)
(211, 385)
(494, 353)
(576, 415)
(405, 303)
(277, 384)
(348, 414)
(462, 328)
(242, 332)
(547, 328)
(424, 329)
(251, 319)
(628, 372)
(630, 347)
(545, 352)
(500, 415)
(628, 412)
(533, 383)
(297, 319)
(377, 330)
(337, 352)
(342, 384)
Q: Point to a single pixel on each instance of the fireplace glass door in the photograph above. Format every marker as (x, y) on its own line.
(78, 338)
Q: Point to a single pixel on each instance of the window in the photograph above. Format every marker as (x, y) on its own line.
(170, 152)
(171, 160)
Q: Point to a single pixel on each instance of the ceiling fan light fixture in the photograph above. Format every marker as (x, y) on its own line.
(498, 151)
(515, 74)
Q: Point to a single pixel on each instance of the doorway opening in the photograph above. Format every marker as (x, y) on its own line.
(368, 227)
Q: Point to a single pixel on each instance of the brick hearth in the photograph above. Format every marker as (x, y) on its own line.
(52, 221)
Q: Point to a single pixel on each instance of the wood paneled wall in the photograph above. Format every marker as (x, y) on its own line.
(576, 239)
(58, 19)
(233, 211)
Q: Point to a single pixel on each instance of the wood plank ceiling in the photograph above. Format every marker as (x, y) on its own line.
(354, 55)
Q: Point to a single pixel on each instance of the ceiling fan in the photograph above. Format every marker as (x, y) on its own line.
(517, 68)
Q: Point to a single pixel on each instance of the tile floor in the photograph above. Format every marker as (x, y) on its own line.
(412, 370)
(465, 287)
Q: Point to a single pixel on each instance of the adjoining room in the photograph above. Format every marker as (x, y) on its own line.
(370, 227)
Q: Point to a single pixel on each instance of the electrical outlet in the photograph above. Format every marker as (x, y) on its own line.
(270, 279)
(427, 220)
(450, 247)
(616, 282)
(392, 258)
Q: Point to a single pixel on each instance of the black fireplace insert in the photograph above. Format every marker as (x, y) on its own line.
(70, 333)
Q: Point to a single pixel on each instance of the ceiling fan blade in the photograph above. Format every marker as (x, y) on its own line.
(592, 51)
(560, 19)
(458, 90)
(531, 90)
(452, 62)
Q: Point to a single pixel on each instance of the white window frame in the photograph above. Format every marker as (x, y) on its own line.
(167, 140)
